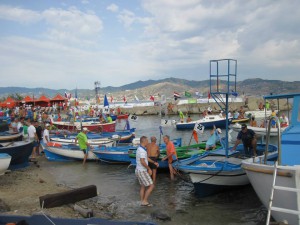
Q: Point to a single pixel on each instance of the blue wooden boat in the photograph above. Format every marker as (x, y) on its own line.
(207, 122)
(114, 154)
(217, 170)
(121, 154)
(49, 220)
(19, 151)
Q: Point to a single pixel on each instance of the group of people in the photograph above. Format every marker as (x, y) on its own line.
(147, 155)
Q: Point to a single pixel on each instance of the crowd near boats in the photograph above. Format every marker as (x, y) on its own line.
(212, 166)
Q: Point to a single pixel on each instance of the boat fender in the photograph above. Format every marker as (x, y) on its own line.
(136, 141)
(115, 136)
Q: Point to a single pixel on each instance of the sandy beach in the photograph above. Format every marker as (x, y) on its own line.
(20, 191)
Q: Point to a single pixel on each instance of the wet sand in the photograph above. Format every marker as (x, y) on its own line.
(20, 191)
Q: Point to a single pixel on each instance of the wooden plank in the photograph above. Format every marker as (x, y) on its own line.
(268, 171)
(67, 197)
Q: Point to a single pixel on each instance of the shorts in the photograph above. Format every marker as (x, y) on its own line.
(152, 165)
(144, 178)
(85, 151)
(36, 144)
(172, 159)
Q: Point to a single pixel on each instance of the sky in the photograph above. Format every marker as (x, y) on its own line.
(66, 44)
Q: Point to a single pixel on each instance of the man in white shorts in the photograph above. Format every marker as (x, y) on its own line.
(143, 172)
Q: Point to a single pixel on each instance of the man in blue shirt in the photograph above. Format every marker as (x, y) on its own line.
(214, 136)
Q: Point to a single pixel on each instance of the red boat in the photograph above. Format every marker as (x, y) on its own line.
(122, 116)
(91, 126)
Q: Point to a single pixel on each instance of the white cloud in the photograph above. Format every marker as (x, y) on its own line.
(113, 8)
(18, 14)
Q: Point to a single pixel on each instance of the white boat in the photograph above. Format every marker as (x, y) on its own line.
(261, 131)
(94, 142)
(207, 122)
(260, 171)
(4, 162)
(259, 113)
(58, 152)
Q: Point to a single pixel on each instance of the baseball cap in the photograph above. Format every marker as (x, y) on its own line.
(244, 126)
(219, 130)
(85, 129)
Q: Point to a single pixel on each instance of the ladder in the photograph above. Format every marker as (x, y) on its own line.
(274, 186)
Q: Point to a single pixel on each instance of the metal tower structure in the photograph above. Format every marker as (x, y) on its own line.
(97, 90)
(223, 74)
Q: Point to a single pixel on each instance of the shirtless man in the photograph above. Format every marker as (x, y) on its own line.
(153, 153)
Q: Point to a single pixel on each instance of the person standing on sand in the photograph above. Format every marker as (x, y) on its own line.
(33, 137)
(144, 172)
(171, 155)
(83, 143)
(153, 153)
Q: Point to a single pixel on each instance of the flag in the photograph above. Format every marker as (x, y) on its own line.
(68, 95)
(152, 98)
(124, 99)
(235, 94)
(111, 98)
(187, 94)
(105, 103)
(136, 98)
(208, 95)
(160, 130)
(176, 95)
(133, 117)
(199, 128)
(195, 135)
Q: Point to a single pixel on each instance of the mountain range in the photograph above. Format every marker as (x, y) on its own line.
(144, 89)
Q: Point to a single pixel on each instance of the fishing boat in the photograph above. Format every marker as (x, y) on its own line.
(261, 131)
(19, 152)
(121, 154)
(259, 113)
(49, 220)
(9, 136)
(58, 152)
(183, 152)
(260, 170)
(217, 170)
(4, 162)
(208, 122)
(122, 136)
(118, 154)
(91, 126)
(93, 141)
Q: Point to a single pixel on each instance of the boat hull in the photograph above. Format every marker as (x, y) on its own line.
(19, 151)
(6, 136)
(66, 154)
(4, 162)
(96, 127)
(261, 178)
(261, 131)
(220, 123)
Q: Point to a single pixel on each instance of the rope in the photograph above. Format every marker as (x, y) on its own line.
(46, 215)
